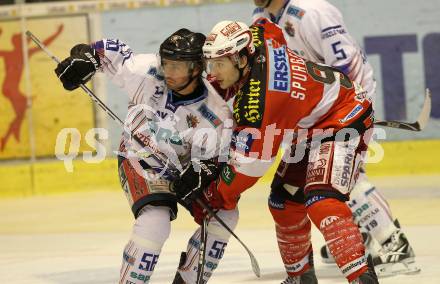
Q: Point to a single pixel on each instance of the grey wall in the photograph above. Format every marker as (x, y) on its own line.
(401, 38)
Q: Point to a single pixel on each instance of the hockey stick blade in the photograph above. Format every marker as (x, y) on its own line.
(254, 262)
(419, 124)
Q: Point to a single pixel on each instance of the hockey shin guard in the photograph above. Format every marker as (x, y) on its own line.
(216, 243)
(371, 211)
(150, 231)
(334, 219)
(293, 233)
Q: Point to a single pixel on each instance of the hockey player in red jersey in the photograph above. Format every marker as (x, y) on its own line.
(276, 96)
(315, 30)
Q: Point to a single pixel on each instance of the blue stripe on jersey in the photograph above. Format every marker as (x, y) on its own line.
(330, 28)
(344, 68)
(171, 105)
(258, 10)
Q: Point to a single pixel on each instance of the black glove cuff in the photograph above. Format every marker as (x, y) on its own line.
(86, 52)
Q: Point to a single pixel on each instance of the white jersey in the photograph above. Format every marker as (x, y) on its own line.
(169, 128)
(315, 30)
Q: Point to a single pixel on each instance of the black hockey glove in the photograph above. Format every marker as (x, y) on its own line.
(192, 183)
(79, 67)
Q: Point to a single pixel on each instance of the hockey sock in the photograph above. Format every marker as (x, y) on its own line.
(371, 211)
(333, 218)
(150, 231)
(292, 228)
(217, 240)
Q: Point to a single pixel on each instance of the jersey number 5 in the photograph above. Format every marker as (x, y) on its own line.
(340, 53)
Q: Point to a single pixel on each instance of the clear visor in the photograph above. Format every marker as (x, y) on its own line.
(176, 68)
(215, 65)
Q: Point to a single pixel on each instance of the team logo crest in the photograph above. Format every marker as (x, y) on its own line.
(290, 30)
(192, 120)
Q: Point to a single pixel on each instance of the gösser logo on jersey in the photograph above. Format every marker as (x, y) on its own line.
(279, 71)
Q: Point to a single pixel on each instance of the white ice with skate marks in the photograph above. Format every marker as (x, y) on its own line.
(95, 257)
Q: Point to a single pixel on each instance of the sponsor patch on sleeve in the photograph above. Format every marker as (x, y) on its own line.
(297, 12)
(358, 108)
(227, 175)
(209, 115)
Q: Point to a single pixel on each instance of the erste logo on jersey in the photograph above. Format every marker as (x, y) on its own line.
(297, 12)
(279, 68)
(209, 115)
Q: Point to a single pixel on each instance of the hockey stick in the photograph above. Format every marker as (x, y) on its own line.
(255, 266)
(202, 251)
(419, 124)
(254, 262)
(90, 93)
(85, 89)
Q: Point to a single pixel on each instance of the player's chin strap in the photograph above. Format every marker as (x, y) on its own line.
(243, 72)
(237, 64)
(192, 78)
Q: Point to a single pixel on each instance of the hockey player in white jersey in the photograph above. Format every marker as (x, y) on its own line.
(175, 115)
(315, 30)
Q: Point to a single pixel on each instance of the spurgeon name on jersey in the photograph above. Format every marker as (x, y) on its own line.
(285, 93)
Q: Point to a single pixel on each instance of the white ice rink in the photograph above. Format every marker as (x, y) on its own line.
(79, 237)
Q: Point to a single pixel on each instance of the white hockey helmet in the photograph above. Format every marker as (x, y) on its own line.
(228, 38)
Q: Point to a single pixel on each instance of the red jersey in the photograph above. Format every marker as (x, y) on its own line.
(284, 93)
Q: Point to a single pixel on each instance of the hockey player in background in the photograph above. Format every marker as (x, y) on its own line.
(170, 106)
(277, 94)
(315, 30)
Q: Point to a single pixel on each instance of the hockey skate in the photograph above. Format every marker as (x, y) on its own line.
(369, 276)
(309, 277)
(395, 257)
